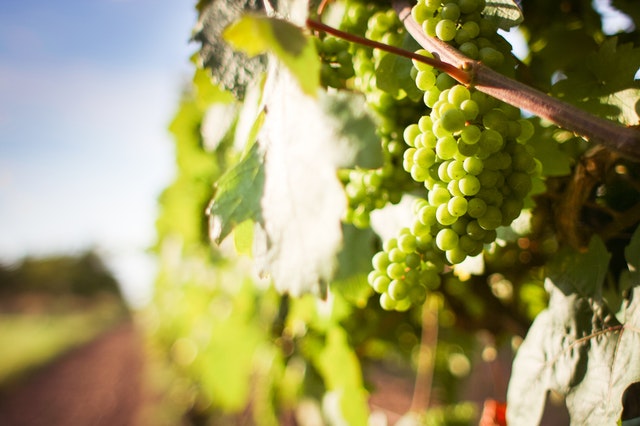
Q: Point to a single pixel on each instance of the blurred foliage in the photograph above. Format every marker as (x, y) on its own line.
(82, 275)
(228, 349)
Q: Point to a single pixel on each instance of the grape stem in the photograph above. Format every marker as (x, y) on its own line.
(625, 140)
(462, 76)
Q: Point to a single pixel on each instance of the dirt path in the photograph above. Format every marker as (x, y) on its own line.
(97, 384)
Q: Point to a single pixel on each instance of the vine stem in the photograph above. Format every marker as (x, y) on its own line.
(460, 75)
(426, 357)
(624, 140)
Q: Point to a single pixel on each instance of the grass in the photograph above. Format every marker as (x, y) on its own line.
(29, 341)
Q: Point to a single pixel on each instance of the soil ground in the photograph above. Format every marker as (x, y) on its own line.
(97, 384)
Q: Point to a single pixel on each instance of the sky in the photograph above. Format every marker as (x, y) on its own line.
(87, 91)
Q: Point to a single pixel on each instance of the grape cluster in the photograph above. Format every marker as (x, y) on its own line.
(337, 64)
(369, 189)
(470, 154)
(460, 22)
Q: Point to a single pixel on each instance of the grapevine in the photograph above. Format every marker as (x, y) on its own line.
(467, 150)
(438, 194)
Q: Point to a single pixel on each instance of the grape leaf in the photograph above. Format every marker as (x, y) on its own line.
(505, 13)
(555, 162)
(577, 347)
(237, 196)
(255, 34)
(231, 69)
(581, 273)
(303, 200)
(350, 119)
(603, 82)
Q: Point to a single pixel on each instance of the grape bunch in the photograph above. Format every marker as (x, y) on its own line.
(370, 189)
(337, 65)
(460, 23)
(470, 154)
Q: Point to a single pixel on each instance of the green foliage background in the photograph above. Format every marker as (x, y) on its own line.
(238, 351)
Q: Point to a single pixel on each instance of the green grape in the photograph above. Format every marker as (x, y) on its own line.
(457, 206)
(490, 57)
(510, 209)
(446, 30)
(447, 239)
(445, 81)
(470, 246)
(491, 141)
(443, 216)
(443, 172)
(469, 185)
(427, 215)
(413, 259)
(396, 255)
(417, 294)
(458, 94)
(452, 119)
(469, 6)
(419, 230)
(455, 169)
(466, 150)
(450, 12)
(425, 80)
(429, 27)
(419, 174)
(424, 157)
(387, 303)
(396, 270)
(487, 27)
(421, 66)
(476, 207)
(389, 244)
(380, 284)
(473, 165)
(526, 130)
(431, 96)
(475, 231)
(469, 108)
(456, 255)
(454, 188)
(491, 219)
(439, 195)
(398, 289)
(446, 147)
(421, 12)
(380, 261)
(470, 49)
(472, 28)
(425, 123)
(471, 134)
(407, 244)
(520, 183)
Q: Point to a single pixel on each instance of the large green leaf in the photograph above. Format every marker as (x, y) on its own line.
(603, 83)
(256, 34)
(577, 347)
(232, 69)
(237, 196)
(305, 142)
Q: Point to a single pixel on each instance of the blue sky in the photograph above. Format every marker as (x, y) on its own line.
(87, 89)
